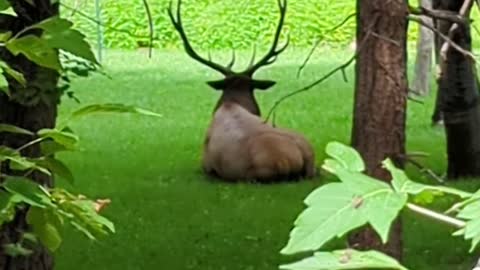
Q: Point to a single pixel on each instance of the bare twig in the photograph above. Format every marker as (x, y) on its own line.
(423, 169)
(438, 14)
(442, 36)
(86, 16)
(150, 27)
(341, 68)
(386, 39)
(416, 100)
(464, 10)
(305, 62)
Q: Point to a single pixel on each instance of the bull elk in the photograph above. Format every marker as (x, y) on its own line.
(239, 145)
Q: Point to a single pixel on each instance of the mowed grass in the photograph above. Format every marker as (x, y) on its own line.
(170, 216)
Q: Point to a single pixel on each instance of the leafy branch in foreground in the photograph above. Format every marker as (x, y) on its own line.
(335, 209)
(49, 209)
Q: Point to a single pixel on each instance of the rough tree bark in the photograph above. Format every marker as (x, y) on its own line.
(32, 107)
(459, 102)
(423, 60)
(380, 99)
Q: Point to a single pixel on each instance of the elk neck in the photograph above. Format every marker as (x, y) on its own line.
(245, 99)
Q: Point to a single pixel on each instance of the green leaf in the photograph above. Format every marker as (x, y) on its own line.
(45, 226)
(27, 191)
(7, 206)
(346, 259)
(4, 36)
(331, 213)
(401, 183)
(356, 180)
(471, 231)
(14, 129)
(4, 4)
(58, 33)
(16, 250)
(66, 139)
(382, 209)
(347, 156)
(36, 49)
(51, 147)
(111, 108)
(57, 167)
(18, 162)
(106, 108)
(13, 73)
(338, 208)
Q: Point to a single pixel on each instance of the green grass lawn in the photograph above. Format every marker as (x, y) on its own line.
(168, 215)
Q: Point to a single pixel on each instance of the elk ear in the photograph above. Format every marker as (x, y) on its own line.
(263, 84)
(217, 85)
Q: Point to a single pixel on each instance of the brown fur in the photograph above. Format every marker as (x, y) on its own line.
(240, 146)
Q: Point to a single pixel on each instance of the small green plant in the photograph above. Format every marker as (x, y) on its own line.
(337, 208)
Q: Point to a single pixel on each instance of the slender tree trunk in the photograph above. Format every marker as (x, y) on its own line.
(423, 61)
(437, 116)
(458, 88)
(380, 99)
(32, 107)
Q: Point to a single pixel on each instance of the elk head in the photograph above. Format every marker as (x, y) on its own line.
(236, 87)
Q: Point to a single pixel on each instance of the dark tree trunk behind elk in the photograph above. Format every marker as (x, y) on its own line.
(33, 107)
(380, 99)
(458, 91)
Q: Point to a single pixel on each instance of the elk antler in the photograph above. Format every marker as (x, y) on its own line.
(273, 53)
(177, 23)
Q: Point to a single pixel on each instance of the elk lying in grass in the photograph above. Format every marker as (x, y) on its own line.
(239, 145)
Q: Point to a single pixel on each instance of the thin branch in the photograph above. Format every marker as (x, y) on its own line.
(150, 27)
(341, 68)
(438, 14)
(436, 216)
(386, 39)
(31, 143)
(86, 16)
(423, 169)
(442, 36)
(307, 59)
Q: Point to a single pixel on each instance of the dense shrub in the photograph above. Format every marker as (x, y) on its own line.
(220, 24)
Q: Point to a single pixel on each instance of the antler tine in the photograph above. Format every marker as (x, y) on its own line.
(177, 23)
(232, 62)
(272, 54)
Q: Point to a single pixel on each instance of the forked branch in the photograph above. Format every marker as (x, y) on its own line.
(464, 10)
(448, 40)
(438, 14)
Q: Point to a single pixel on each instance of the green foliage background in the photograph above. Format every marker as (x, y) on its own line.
(216, 24)
(220, 24)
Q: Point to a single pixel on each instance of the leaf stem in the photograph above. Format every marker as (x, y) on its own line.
(38, 140)
(437, 216)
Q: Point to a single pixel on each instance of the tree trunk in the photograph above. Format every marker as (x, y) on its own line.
(32, 107)
(458, 88)
(437, 116)
(380, 99)
(423, 61)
